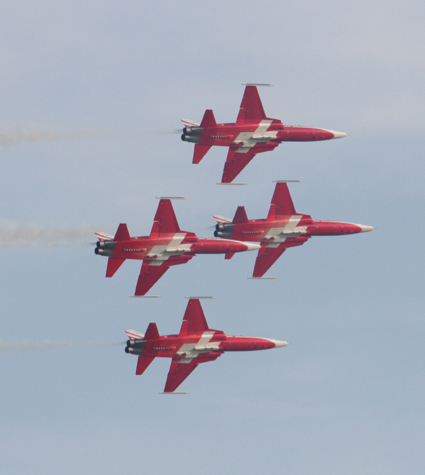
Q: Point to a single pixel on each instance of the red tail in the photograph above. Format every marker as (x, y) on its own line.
(152, 332)
(114, 263)
(200, 152)
(142, 363)
(122, 233)
(240, 216)
(208, 120)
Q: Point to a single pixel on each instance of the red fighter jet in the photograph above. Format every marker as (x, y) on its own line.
(283, 228)
(166, 246)
(195, 344)
(252, 133)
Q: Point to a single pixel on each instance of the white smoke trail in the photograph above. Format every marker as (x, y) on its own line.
(14, 235)
(35, 134)
(25, 346)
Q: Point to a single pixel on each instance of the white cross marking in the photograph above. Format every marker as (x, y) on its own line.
(192, 350)
(250, 139)
(279, 235)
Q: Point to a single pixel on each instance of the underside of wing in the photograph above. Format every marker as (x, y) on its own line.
(194, 322)
(239, 157)
(180, 369)
(267, 256)
(235, 163)
(165, 221)
(251, 109)
(282, 204)
(152, 271)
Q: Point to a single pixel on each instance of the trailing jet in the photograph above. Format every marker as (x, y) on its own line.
(283, 228)
(252, 133)
(195, 344)
(166, 246)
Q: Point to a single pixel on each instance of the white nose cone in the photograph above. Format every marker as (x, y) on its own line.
(338, 135)
(366, 229)
(278, 343)
(251, 246)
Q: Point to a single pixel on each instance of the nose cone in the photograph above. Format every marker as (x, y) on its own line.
(278, 343)
(338, 135)
(366, 229)
(251, 246)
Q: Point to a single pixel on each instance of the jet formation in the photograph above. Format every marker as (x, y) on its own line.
(252, 133)
(196, 343)
(283, 228)
(166, 246)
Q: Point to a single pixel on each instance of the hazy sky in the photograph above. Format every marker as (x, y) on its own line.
(92, 93)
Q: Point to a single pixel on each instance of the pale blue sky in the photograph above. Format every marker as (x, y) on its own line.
(346, 396)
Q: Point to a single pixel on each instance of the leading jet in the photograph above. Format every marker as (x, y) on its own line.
(166, 246)
(252, 133)
(283, 228)
(195, 344)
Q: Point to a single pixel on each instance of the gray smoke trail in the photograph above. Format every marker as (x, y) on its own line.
(41, 235)
(25, 346)
(35, 134)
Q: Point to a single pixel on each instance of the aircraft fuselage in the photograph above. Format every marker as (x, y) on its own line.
(270, 132)
(210, 341)
(295, 226)
(151, 249)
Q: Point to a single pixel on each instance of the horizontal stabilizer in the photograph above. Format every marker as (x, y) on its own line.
(142, 363)
(152, 332)
(114, 263)
(199, 153)
(208, 120)
(240, 216)
(122, 233)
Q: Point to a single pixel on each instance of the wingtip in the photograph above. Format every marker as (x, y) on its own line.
(144, 296)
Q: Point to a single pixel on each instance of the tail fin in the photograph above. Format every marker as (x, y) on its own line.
(208, 120)
(240, 216)
(221, 219)
(133, 335)
(190, 123)
(104, 236)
